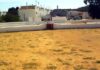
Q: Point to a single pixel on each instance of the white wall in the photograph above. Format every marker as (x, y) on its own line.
(9, 28)
(72, 26)
(26, 14)
(32, 14)
(27, 26)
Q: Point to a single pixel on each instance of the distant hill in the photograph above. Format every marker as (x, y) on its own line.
(63, 12)
(83, 9)
(59, 12)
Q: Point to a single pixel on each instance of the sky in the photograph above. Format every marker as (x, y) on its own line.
(51, 4)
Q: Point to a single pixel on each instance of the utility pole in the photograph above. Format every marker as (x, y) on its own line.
(57, 7)
(57, 4)
(36, 2)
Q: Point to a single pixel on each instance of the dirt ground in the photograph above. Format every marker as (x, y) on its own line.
(72, 49)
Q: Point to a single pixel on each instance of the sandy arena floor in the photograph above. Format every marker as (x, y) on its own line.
(74, 49)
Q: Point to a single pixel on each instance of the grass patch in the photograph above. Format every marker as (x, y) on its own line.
(86, 51)
(89, 58)
(79, 67)
(3, 63)
(98, 61)
(27, 66)
(93, 69)
(51, 67)
(63, 62)
(57, 50)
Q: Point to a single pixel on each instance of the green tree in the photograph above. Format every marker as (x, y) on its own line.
(11, 18)
(93, 8)
(12, 15)
(2, 18)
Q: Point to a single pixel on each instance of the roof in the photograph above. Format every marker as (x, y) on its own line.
(28, 7)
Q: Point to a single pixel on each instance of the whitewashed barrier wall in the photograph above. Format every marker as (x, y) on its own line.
(23, 28)
(21, 23)
(71, 26)
(10, 22)
(93, 23)
(6, 27)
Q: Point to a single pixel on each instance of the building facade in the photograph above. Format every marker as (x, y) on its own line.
(77, 15)
(3, 13)
(32, 13)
